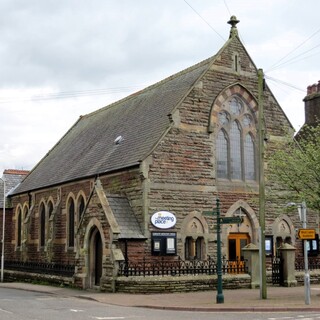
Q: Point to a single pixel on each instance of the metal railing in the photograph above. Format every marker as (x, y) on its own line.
(58, 269)
(176, 267)
(313, 263)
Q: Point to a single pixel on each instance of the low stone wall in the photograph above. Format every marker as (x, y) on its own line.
(18, 276)
(158, 284)
(314, 277)
(179, 283)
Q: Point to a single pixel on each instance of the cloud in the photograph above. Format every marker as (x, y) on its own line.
(118, 47)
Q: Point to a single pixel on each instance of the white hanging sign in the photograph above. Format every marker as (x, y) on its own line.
(163, 219)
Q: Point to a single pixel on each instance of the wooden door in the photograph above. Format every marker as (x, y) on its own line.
(236, 242)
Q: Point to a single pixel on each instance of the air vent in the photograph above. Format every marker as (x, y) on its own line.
(118, 140)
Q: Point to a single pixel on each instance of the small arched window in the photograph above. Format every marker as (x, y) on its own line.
(50, 209)
(71, 223)
(194, 248)
(42, 225)
(81, 207)
(19, 227)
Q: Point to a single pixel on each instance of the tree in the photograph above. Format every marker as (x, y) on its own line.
(295, 166)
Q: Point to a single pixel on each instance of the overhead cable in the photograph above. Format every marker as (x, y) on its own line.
(205, 21)
(278, 64)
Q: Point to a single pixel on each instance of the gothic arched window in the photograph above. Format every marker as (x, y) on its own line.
(81, 205)
(71, 223)
(235, 144)
(19, 227)
(42, 225)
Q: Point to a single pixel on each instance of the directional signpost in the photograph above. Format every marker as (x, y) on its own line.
(307, 234)
(223, 220)
(230, 220)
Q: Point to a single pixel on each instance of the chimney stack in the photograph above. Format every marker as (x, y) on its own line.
(312, 104)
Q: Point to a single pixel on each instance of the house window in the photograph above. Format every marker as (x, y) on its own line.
(71, 223)
(235, 143)
(42, 225)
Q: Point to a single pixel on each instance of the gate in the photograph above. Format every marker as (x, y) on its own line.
(277, 270)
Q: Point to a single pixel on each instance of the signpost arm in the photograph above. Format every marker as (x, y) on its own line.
(220, 297)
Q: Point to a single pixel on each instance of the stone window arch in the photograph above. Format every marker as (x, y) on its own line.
(42, 225)
(233, 120)
(19, 222)
(50, 208)
(22, 232)
(70, 222)
(250, 224)
(81, 204)
(283, 231)
(195, 236)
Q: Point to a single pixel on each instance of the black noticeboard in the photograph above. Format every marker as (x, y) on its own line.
(164, 243)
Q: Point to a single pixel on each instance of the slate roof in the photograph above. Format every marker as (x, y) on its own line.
(125, 217)
(12, 178)
(88, 148)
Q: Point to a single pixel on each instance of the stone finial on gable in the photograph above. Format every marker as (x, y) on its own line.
(233, 22)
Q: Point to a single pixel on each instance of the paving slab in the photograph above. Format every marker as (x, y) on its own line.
(245, 300)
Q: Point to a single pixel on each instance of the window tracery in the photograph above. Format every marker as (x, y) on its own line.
(235, 143)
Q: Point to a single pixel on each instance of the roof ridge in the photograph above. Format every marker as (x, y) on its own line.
(150, 87)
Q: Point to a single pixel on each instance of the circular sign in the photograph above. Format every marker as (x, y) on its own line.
(163, 219)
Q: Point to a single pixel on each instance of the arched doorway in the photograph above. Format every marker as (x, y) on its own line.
(236, 242)
(95, 258)
(236, 236)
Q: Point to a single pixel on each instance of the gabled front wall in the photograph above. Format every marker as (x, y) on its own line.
(182, 174)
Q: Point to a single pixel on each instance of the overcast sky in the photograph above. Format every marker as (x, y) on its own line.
(60, 59)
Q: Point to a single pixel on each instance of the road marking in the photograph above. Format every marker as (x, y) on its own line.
(108, 318)
(6, 311)
(310, 316)
(75, 310)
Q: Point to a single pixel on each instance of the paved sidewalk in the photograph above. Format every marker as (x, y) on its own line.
(278, 298)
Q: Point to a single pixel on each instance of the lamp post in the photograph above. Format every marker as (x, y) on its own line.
(302, 209)
(3, 226)
(220, 296)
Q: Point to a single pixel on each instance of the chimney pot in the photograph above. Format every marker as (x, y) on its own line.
(308, 90)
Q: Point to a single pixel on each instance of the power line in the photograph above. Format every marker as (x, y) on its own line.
(278, 81)
(205, 21)
(225, 3)
(277, 64)
(294, 60)
(72, 94)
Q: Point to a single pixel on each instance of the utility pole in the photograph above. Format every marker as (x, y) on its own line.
(305, 254)
(261, 130)
(3, 226)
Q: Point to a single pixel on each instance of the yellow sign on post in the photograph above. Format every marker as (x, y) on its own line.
(307, 234)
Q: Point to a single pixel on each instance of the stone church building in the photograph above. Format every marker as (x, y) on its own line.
(131, 181)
